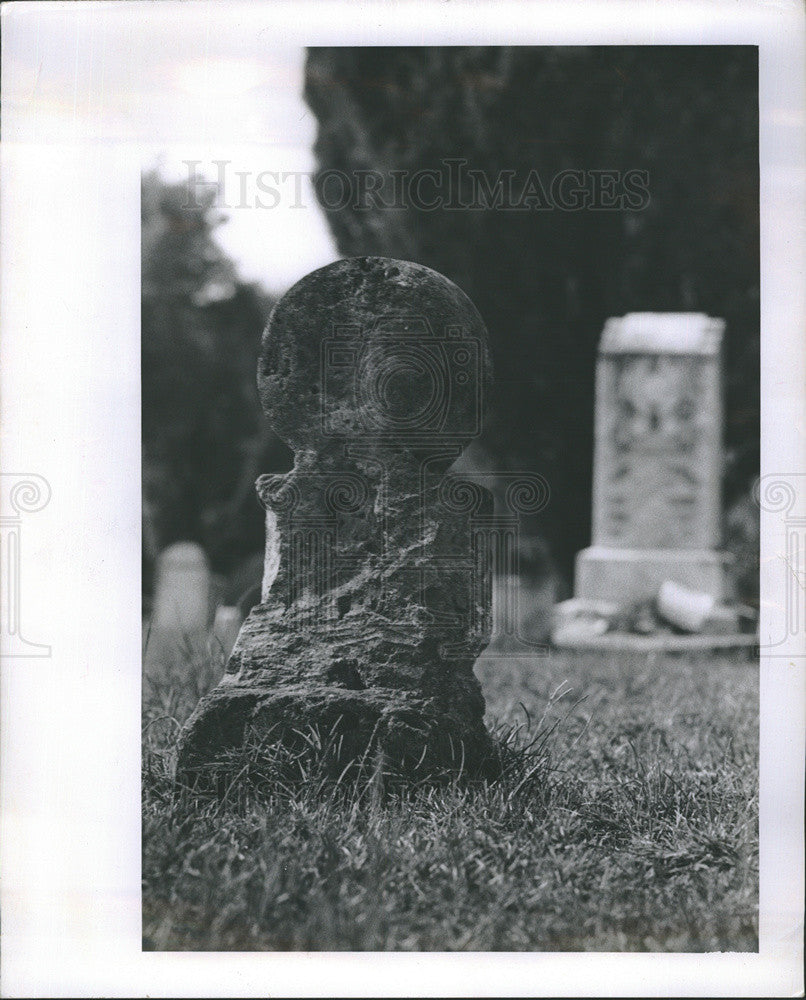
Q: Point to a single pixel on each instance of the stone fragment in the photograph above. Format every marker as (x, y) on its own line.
(727, 619)
(687, 609)
(376, 587)
(579, 630)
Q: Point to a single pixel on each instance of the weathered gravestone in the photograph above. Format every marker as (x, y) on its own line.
(376, 587)
(657, 470)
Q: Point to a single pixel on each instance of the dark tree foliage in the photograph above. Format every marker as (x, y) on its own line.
(204, 437)
(546, 280)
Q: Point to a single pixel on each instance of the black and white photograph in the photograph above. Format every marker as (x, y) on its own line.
(433, 423)
(490, 681)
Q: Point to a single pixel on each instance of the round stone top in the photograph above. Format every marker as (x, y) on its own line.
(185, 554)
(377, 350)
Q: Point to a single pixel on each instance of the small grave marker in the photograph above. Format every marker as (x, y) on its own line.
(182, 589)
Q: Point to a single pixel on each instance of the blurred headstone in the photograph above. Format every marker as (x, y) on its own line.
(656, 491)
(182, 589)
(376, 586)
(657, 459)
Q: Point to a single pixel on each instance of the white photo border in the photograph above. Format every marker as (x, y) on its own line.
(70, 412)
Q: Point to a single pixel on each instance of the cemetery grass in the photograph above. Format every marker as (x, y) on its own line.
(629, 823)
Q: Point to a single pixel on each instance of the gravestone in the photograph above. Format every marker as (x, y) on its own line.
(654, 561)
(376, 587)
(182, 589)
(657, 459)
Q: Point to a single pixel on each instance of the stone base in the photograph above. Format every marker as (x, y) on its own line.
(625, 576)
(335, 730)
(623, 642)
(588, 626)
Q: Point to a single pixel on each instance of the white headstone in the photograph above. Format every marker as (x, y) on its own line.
(182, 595)
(657, 459)
(226, 626)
